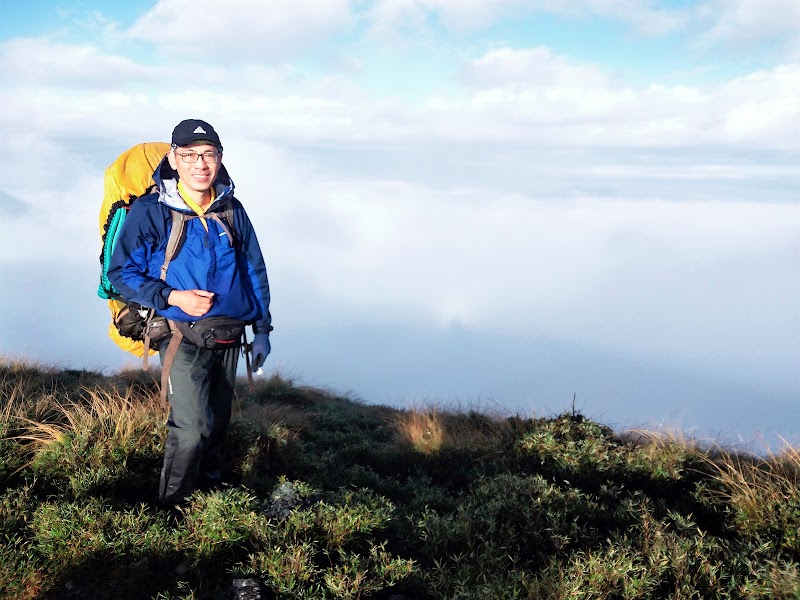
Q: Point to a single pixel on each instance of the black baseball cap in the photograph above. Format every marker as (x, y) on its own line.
(190, 131)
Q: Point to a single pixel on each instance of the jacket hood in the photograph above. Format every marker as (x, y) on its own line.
(166, 180)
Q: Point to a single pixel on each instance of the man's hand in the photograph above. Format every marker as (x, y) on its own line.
(194, 303)
(260, 348)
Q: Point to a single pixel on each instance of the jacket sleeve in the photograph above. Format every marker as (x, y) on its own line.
(141, 235)
(256, 267)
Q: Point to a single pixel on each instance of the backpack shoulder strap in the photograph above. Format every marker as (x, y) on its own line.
(179, 220)
(221, 221)
(225, 220)
(228, 214)
(173, 243)
(175, 237)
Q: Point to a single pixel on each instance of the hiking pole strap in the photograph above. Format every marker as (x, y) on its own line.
(145, 356)
(169, 357)
(246, 348)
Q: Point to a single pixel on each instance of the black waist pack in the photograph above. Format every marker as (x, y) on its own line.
(214, 333)
(135, 321)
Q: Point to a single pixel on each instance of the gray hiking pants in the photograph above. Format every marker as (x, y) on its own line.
(200, 395)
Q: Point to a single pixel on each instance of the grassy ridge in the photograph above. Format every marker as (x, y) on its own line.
(331, 498)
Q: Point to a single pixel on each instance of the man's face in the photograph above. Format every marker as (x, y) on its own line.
(199, 175)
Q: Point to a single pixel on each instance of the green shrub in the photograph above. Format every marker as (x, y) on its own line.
(508, 523)
(21, 572)
(218, 523)
(328, 549)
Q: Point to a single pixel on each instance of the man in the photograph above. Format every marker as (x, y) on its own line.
(211, 275)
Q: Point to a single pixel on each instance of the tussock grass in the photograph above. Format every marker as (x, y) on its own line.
(327, 497)
(433, 428)
(119, 420)
(424, 430)
(762, 494)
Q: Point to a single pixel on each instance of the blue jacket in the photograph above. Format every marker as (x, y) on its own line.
(206, 260)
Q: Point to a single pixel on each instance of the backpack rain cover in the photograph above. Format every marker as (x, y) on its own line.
(127, 178)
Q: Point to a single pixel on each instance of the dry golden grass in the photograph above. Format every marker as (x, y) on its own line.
(748, 487)
(26, 392)
(424, 430)
(757, 486)
(787, 463)
(430, 429)
(121, 419)
(665, 439)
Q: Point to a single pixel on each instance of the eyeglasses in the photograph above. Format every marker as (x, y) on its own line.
(191, 157)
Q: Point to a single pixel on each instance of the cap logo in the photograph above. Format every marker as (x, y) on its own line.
(199, 129)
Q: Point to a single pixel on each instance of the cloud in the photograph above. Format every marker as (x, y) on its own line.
(525, 193)
(752, 20)
(473, 15)
(639, 14)
(34, 61)
(762, 107)
(703, 282)
(534, 93)
(252, 30)
(509, 95)
(13, 207)
(538, 66)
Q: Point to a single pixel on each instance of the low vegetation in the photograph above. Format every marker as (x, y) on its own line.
(327, 497)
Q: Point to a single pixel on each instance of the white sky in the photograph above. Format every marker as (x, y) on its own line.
(617, 177)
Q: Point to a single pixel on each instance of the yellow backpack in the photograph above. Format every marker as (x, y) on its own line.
(126, 179)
